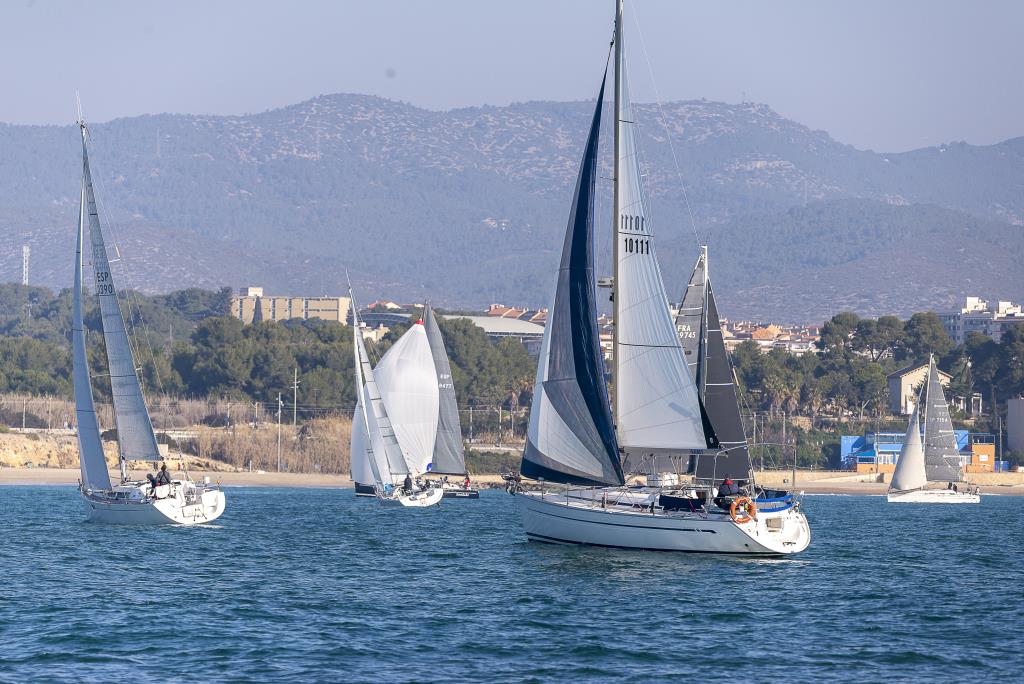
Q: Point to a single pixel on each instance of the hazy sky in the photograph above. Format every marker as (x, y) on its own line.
(881, 74)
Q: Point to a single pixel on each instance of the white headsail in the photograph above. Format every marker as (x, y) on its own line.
(941, 454)
(408, 384)
(384, 455)
(656, 402)
(90, 448)
(135, 436)
(910, 471)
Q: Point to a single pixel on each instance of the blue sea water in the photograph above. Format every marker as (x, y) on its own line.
(314, 585)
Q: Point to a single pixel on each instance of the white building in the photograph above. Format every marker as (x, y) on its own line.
(976, 315)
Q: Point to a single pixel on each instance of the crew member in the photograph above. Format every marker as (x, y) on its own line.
(407, 485)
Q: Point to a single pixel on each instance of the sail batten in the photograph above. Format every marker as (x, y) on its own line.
(135, 436)
(92, 461)
(570, 437)
(449, 455)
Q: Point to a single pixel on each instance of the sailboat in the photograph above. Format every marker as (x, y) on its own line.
(933, 460)
(130, 502)
(449, 457)
(578, 439)
(378, 455)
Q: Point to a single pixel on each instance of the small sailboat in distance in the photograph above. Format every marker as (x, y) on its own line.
(577, 439)
(178, 501)
(934, 459)
(449, 453)
(375, 447)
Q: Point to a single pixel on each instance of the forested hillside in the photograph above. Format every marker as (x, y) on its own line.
(468, 206)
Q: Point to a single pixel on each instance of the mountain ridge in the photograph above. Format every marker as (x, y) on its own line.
(401, 196)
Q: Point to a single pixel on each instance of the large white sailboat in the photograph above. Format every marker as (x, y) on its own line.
(392, 456)
(131, 502)
(924, 466)
(577, 440)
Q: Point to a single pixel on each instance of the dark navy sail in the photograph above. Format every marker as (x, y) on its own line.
(690, 323)
(571, 438)
(449, 457)
(721, 404)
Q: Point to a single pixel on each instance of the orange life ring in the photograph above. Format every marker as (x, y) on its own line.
(746, 506)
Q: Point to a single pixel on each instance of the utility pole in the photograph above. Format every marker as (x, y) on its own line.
(295, 398)
(25, 252)
(280, 404)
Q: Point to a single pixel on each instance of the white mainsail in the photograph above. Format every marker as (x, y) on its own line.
(656, 402)
(941, 454)
(407, 381)
(910, 471)
(90, 448)
(135, 436)
(360, 453)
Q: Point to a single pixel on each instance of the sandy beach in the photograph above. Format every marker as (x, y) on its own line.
(809, 482)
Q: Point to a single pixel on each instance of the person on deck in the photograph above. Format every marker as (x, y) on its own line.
(163, 477)
(465, 485)
(407, 485)
(728, 488)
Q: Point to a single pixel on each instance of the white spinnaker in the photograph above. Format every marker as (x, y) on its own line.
(135, 437)
(656, 402)
(90, 448)
(407, 381)
(910, 471)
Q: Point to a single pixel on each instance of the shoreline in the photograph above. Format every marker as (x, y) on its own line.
(809, 484)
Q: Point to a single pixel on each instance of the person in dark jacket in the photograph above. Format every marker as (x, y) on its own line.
(163, 477)
(728, 488)
(407, 485)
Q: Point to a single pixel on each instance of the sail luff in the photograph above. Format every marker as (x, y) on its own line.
(449, 456)
(91, 459)
(135, 436)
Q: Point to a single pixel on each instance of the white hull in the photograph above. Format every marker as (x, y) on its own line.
(947, 496)
(182, 504)
(421, 499)
(583, 520)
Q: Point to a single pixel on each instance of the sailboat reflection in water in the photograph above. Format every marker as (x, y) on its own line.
(130, 502)
(578, 440)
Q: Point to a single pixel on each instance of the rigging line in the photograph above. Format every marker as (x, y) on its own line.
(664, 124)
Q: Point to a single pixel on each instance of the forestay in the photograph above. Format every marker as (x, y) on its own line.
(656, 402)
(449, 455)
(910, 468)
(408, 384)
(90, 447)
(941, 455)
(570, 437)
(135, 436)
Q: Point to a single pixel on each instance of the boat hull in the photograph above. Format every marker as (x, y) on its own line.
(946, 496)
(421, 499)
(556, 519)
(461, 493)
(365, 489)
(205, 507)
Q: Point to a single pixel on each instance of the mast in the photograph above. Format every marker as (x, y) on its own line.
(616, 300)
(702, 350)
